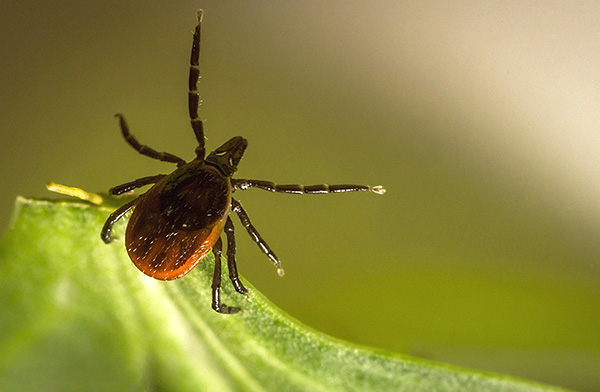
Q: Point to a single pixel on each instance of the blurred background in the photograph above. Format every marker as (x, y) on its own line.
(482, 120)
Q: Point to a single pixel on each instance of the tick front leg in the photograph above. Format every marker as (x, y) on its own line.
(243, 184)
(237, 208)
(231, 263)
(193, 96)
(216, 283)
(113, 218)
(140, 182)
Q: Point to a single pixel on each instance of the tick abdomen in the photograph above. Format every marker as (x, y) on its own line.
(177, 222)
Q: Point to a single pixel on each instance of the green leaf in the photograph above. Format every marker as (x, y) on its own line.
(76, 314)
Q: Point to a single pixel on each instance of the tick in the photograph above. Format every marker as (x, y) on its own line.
(180, 219)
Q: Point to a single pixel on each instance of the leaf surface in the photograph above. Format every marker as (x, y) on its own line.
(77, 315)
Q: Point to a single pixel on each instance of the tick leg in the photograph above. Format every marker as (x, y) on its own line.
(231, 263)
(300, 189)
(237, 208)
(113, 218)
(145, 150)
(193, 96)
(216, 283)
(140, 182)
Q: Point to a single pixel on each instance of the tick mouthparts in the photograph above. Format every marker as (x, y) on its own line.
(380, 190)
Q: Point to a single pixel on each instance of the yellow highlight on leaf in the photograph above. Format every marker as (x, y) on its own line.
(75, 192)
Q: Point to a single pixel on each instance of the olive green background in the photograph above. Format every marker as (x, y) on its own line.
(481, 120)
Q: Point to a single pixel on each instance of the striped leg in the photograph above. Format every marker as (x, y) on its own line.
(231, 263)
(145, 150)
(193, 96)
(216, 283)
(140, 182)
(300, 189)
(237, 208)
(113, 218)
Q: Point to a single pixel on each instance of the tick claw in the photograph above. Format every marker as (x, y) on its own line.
(224, 309)
(378, 189)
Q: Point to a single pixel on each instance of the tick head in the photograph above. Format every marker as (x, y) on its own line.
(227, 157)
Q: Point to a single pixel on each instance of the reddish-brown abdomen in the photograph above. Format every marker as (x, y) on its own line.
(177, 222)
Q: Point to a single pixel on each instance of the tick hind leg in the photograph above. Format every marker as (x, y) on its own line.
(113, 218)
(145, 150)
(231, 263)
(216, 283)
(237, 208)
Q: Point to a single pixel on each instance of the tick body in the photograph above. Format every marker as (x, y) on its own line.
(181, 218)
(178, 221)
